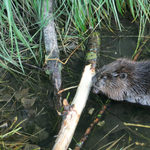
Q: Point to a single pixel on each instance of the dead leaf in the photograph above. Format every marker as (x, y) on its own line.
(39, 135)
(28, 102)
(5, 97)
(31, 147)
(21, 94)
(91, 111)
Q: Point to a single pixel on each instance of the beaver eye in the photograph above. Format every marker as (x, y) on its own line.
(123, 76)
(104, 78)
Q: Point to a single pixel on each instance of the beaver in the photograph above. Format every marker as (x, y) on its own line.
(124, 79)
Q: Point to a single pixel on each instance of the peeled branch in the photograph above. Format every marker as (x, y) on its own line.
(71, 120)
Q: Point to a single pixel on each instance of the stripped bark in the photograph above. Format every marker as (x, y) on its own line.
(52, 66)
(71, 120)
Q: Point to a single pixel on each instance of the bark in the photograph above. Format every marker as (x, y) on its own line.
(52, 66)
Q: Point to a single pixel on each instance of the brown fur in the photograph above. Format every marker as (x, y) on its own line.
(124, 79)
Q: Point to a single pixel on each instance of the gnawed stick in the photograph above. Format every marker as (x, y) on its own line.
(71, 120)
(91, 57)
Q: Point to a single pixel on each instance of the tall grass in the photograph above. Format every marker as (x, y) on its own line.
(89, 14)
(21, 24)
(20, 35)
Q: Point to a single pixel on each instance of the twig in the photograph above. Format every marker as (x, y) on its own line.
(88, 130)
(72, 87)
(136, 125)
(140, 49)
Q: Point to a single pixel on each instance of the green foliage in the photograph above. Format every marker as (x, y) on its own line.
(21, 24)
(89, 14)
(19, 42)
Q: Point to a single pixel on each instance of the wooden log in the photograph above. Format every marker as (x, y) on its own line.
(52, 66)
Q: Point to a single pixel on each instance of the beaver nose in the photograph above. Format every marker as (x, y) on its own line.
(94, 79)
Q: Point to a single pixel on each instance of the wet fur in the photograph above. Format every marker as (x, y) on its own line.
(124, 79)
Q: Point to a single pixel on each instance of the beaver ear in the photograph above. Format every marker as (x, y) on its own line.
(123, 76)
